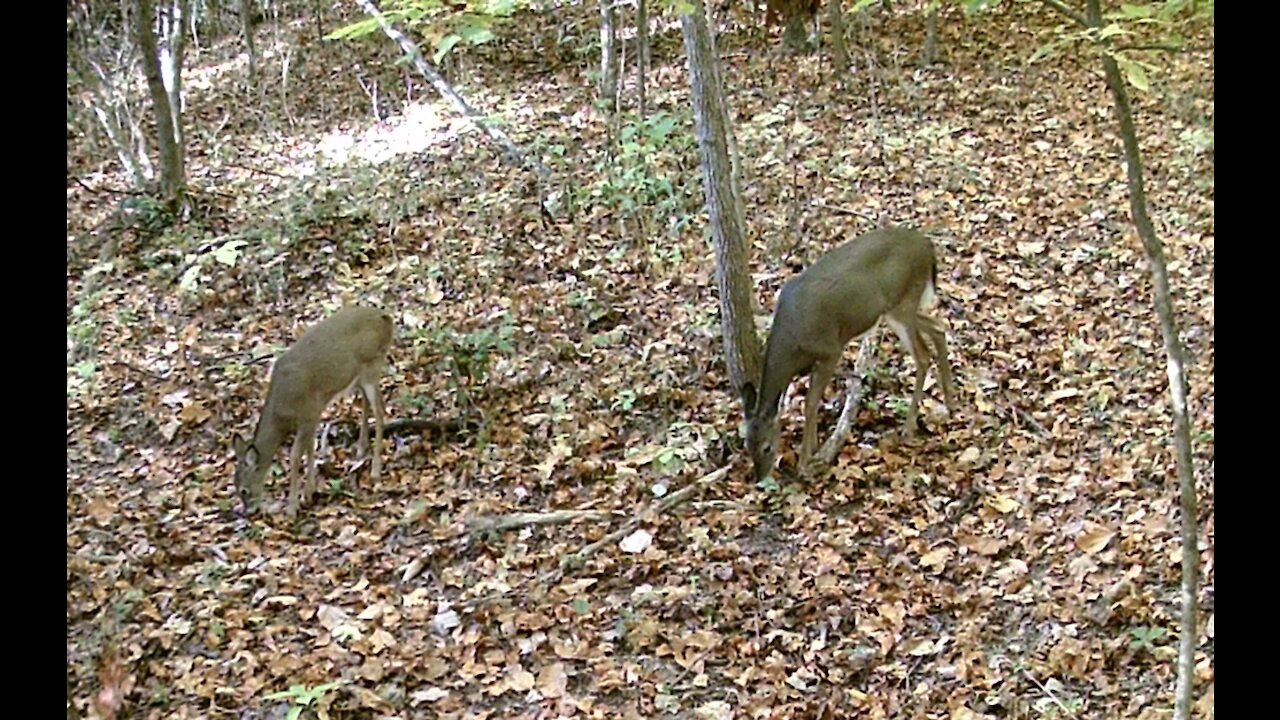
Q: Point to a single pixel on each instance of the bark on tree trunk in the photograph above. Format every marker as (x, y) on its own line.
(608, 54)
(246, 28)
(795, 34)
(1176, 369)
(642, 54)
(742, 346)
(172, 172)
(930, 52)
(839, 51)
(171, 53)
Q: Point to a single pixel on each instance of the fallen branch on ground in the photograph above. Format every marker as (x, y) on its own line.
(660, 506)
(519, 520)
(442, 86)
(453, 424)
(866, 353)
(577, 559)
(1035, 425)
(847, 211)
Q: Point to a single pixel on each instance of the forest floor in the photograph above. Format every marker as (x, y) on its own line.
(1019, 560)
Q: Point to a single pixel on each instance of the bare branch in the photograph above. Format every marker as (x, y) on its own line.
(846, 211)
(866, 353)
(514, 154)
(1171, 49)
(662, 505)
(444, 425)
(1068, 11)
(518, 520)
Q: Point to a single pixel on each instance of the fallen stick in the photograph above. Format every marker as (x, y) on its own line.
(509, 521)
(446, 424)
(662, 505)
(577, 559)
(866, 353)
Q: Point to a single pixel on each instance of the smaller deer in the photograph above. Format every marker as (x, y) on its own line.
(888, 273)
(346, 350)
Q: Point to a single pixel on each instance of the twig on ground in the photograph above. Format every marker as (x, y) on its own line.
(866, 353)
(555, 575)
(660, 506)
(444, 425)
(1029, 419)
(256, 170)
(847, 211)
(510, 521)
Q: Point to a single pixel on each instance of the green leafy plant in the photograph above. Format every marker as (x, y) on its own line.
(82, 326)
(471, 354)
(160, 697)
(338, 488)
(1167, 19)
(444, 24)
(80, 379)
(1196, 141)
(301, 697)
(227, 254)
(624, 400)
(146, 214)
(643, 178)
(1144, 638)
(768, 485)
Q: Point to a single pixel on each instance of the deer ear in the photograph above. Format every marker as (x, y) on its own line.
(245, 451)
(748, 398)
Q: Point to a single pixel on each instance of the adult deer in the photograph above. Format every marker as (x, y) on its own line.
(889, 273)
(346, 350)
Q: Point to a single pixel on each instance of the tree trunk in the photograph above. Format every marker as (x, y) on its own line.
(795, 17)
(317, 8)
(930, 52)
(839, 51)
(742, 346)
(103, 64)
(194, 19)
(609, 54)
(795, 34)
(1176, 369)
(171, 54)
(246, 28)
(172, 173)
(642, 54)
(139, 139)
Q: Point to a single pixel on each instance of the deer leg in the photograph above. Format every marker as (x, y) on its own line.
(939, 337)
(910, 337)
(374, 398)
(362, 443)
(295, 478)
(819, 378)
(308, 435)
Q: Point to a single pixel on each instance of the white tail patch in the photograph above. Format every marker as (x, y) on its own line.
(929, 297)
(902, 331)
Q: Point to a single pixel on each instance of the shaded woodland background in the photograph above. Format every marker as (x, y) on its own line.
(561, 352)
